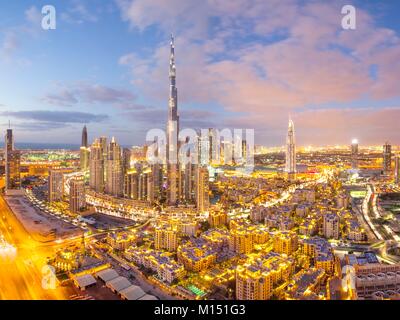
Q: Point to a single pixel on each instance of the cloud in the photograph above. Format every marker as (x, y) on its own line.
(10, 44)
(40, 126)
(341, 125)
(267, 59)
(88, 93)
(61, 98)
(152, 117)
(33, 16)
(14, 37)
(78, 13)
(56, 116)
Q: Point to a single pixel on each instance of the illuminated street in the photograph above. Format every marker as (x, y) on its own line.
(21, 276)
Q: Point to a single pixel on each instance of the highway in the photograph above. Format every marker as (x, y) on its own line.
(365, 212)
(21, 274)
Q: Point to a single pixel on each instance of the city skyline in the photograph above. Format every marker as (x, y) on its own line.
(245, 76)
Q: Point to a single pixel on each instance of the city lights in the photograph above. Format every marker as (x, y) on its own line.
(207, 152)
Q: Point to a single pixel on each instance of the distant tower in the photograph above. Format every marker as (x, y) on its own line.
(354, 154)
(290, 149)
(114, 170)
(84, 137)
(387, 158)
(397, 170)
(84, 151)
(172, 134)
(12, 163)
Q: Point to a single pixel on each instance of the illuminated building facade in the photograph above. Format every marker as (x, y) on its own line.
(256, 279)
(241, 241)
(166, 239)
(196, 256)
(213, 143)
(77, 196)
(121, 240)
(331, 226)
(114, 171)
(397, 170)
(202, 189)
(96, 180)
(321, 254)
(285, 242)
(188, 180)
(217, 219)
(387, 159)
(354, 154)
(131, 185)
(155, 183)
(56, 185)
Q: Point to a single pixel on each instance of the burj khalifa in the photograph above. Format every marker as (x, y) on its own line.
(172, 134)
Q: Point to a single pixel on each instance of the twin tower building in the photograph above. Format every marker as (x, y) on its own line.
(111, 170)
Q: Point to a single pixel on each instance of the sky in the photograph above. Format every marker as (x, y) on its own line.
(246, 64)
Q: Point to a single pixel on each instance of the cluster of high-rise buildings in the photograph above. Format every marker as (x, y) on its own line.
(111, 171)
(106, 167)
(387, 160)
(387, 156)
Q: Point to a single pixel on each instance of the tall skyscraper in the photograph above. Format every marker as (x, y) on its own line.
(188, 177)
(354, 154)
(77, 198)
(56, 185)
(188, 171)
(126, 159)
(204, 154)
(387, 158)
(155, 183)
(214, 146)
(12, 163)
(201, 188)
(290, 149)
(131, 185)
(397, 170)
(85, 151)
(114, 170)
(96, 167)
(172, 134)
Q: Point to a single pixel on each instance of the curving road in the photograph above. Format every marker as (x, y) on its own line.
(21, 274)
